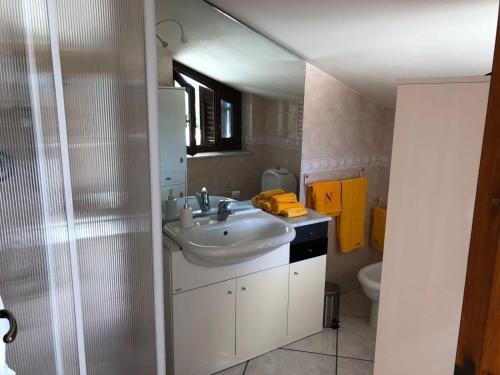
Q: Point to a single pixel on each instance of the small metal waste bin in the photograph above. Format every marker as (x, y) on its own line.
(332, 304)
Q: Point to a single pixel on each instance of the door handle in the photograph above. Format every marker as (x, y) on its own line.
(11, 334)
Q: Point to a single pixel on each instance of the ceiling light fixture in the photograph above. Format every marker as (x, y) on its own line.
(183, 35)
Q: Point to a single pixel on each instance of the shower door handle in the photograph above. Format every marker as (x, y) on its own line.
(11, 334)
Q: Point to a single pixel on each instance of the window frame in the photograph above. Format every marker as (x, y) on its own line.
(221, 92)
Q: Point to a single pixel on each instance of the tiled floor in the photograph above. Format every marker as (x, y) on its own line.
(316, 354)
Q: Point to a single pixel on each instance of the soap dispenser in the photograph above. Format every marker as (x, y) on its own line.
(186, 215)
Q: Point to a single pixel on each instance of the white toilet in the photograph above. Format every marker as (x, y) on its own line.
(279, 178)
(370, 277)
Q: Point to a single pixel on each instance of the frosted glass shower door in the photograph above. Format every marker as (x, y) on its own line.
(103, 66)
(76, 262)
(36, 282)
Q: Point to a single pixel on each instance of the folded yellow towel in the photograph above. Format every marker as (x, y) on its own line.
(294, 212)
(277, 201)
(378, 227)
(324, 197)
(267, 206)
(284, 198)
(277, 208)
(257, 202)
(268, 194)
(351, 222)
(260, 199)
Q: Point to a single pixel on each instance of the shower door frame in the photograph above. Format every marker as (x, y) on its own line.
(154, 161)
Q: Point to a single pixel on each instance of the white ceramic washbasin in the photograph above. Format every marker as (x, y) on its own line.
(245, 235)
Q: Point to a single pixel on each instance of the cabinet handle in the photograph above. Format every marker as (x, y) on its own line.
(295, 273)
(229, 292)
(310, 250)
(310, 233)
(243, 288)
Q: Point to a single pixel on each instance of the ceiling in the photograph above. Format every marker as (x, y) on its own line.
(370, 44)
(229, 52)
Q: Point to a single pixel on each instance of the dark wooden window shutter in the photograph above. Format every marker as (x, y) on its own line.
(210, 94)
(207, 114)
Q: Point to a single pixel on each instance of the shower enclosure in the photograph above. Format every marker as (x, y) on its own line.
(76, 258)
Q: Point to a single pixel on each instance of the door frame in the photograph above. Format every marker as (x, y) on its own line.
(480, 325)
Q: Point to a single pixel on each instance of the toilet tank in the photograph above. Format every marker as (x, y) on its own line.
(279, 178)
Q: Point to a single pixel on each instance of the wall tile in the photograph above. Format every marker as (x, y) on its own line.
(269, 132)
(342, 132)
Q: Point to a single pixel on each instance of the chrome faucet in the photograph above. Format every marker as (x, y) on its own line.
(223, 211)
(203, 200)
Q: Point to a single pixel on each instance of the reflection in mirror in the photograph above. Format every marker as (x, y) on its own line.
(230, 105)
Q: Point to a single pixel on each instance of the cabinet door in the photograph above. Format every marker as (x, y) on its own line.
(261, 311)
(204, 329)
(172, 129)
(307, 287)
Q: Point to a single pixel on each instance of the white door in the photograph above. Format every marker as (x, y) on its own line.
(261, 311)
(307, 285)
(204, 329)
(438, 136)
(172, 131)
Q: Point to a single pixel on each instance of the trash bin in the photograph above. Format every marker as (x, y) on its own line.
(332, 304)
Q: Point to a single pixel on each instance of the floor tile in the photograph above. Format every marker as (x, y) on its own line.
(235, 370)
(291, 362)
(355, 302)
(356, 338)
(354, 367)
(324, 342)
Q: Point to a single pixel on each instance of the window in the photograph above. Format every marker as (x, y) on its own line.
(213, 112)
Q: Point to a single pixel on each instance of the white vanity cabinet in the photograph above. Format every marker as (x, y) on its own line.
(204, 328)
(306, 297)
(219, 316)
(219, 325)
(307, 280)
(261, 311)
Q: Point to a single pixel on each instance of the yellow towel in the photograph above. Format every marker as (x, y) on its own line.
(277, 208)
(268, 194)
(324, 197)
(276, 201)
(260, 199)
(257, 202)
(351, 222)
(378, 227)
(267, 206)
(284, 198)
(294, 212)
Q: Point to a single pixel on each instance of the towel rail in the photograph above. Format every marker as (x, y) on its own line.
(361, 172)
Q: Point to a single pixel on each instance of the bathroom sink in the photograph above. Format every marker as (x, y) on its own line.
(244, 236)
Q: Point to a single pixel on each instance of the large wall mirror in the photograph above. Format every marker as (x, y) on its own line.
(230, 103)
